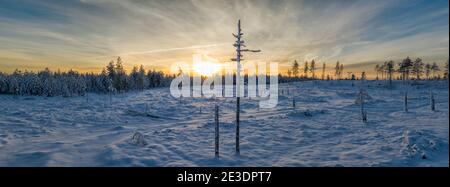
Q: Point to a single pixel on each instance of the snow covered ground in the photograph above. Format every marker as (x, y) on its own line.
(324, 129)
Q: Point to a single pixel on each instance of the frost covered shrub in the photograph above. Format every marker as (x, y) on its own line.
(138, 139)
(418, 144)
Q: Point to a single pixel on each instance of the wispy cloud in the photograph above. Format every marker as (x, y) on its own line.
(88, 33)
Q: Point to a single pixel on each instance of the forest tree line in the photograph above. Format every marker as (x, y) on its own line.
(406, 69)
(113, 78)
(410, 69)
(309, 71)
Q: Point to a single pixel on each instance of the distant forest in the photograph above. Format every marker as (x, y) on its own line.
(113, 78)
(406, 69)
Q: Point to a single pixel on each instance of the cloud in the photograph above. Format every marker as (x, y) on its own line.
(88, 33)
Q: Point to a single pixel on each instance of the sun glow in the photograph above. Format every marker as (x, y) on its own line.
(206, 68)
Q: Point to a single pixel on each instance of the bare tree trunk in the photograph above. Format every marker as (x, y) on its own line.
(432, 101)
(390, 79)
(406, 101)
(216, 120)
(237, 125)
(363, 112)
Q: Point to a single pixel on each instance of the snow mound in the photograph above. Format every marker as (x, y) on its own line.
(305, 113)
(138, 139)
(418, 144)
(142, 114)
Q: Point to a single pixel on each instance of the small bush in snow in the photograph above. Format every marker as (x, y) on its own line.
(138, 139)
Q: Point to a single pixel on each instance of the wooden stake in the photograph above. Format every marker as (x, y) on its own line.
(293, 102)
(406, 101)
(432, 101)
(216, 120)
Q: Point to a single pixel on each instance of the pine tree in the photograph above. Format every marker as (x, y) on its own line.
(295, 69)
(133, 78)
(417, 68)
(377, 70)
(120, 81)
(363, 75)
(446, 70)
(405, 68)
(390, 70)
(312, 68)
(434, 69)
(111, 70)
(306, 69)
(323, 71)
(337, 71)
(141, 78)
(427, 70)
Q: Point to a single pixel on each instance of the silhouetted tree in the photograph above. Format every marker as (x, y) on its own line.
(390, 70)
(446, 70)
(337, 72)
(312, 69)
(417, 68)
(404, 67)
(323, 71)
(377, 70)
(295, 69)
(306, 69)
(434, 69)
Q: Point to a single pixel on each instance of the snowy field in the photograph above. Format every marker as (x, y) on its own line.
(324, 129)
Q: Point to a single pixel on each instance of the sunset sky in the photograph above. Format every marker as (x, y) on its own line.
(86, 34)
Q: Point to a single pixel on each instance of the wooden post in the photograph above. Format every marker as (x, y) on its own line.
(216, 120)
(432, 101)
(406, 101)
(363, 111)
(362, 105)
(365, 116)
(293, 102)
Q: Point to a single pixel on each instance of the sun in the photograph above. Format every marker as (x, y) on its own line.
(206, 68)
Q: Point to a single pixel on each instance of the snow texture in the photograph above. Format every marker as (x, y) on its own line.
(151, 128)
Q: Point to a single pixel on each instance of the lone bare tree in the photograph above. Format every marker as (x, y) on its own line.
(239, 44)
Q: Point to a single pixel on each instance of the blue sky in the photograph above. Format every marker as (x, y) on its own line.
(86, 34)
